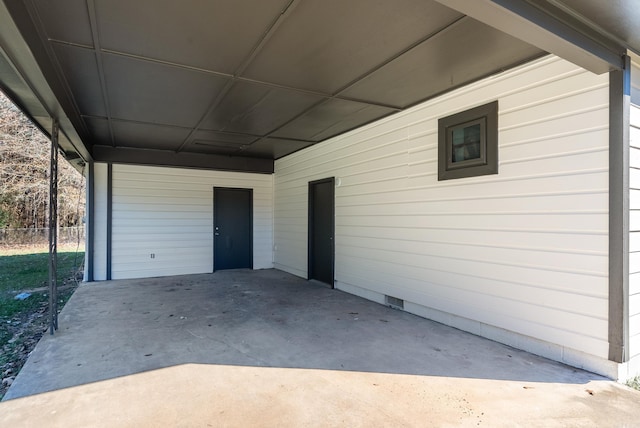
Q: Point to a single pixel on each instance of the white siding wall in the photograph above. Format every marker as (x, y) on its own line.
(100, 222)
(634, 241)
(525, 251)
(169, 212)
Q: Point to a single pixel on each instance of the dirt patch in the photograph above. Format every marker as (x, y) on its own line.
(21, 332)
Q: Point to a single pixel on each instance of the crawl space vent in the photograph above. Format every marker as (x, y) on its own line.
(394, 302)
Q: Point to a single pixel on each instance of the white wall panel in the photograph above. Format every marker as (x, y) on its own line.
(634, 241)
(100, 222)
(525, 250)
(168, 212)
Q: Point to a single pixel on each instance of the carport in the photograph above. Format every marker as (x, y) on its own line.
(245, 348)
(310, 109)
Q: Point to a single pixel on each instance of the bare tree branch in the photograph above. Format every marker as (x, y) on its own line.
(24, 175)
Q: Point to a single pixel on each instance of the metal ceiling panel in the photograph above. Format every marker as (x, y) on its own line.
(213, 35)
(257, 109)
(66, 20)
(99, 130)
(147, 136)
(151, 92)
(324, 45)
(81, 72)
(464, 52)
(331, 118)
(275, 148)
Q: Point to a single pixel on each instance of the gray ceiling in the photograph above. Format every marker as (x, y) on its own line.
(247, 79)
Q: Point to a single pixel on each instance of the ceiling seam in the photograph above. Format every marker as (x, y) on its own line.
(266, 37)
(368, 103)
(137, 122)
(293, 140)
(95, 34)
(399, 54)
(72, 44)
(165, 62)
(280, 86)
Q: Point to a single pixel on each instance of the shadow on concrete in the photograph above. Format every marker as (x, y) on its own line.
(249, 396)
(259, 319)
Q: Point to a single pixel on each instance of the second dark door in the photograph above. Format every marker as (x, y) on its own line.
(232, 228)
(321, 230)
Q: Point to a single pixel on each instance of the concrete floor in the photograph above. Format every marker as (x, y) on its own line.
(264, 348)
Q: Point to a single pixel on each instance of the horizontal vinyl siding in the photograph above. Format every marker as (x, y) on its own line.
(634, 241)
(169, 212)
(525, 250)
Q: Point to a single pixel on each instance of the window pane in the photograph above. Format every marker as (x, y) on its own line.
(465, 143)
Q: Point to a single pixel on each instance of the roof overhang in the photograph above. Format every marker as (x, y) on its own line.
(236, 85)
(22, 80)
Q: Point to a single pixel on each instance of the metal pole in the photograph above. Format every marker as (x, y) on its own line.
(53, 231)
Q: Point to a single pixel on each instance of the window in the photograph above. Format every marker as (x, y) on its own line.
(468, 143)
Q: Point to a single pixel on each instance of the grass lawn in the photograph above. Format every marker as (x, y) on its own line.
(28, 269)
(22, 322)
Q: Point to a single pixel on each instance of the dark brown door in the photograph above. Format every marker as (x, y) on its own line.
(321, 230)
(232, 228)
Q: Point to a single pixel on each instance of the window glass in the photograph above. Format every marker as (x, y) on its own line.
(466, 143)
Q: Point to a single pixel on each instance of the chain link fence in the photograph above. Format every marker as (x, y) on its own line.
(39, 237)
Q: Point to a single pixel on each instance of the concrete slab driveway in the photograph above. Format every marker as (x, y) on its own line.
(264, 348)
